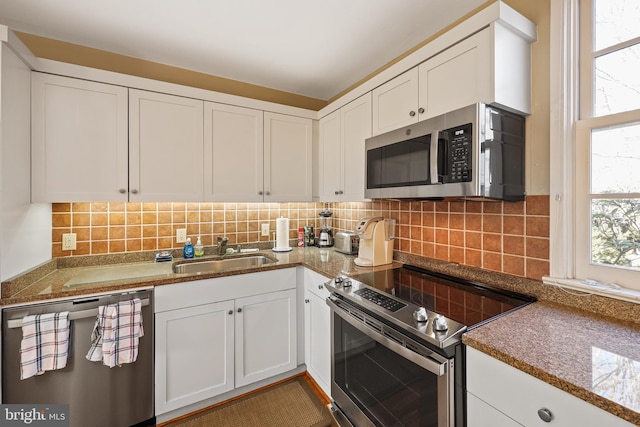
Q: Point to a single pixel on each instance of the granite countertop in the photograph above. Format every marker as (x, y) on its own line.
(594, 358)
(565, 340)
(69, 277)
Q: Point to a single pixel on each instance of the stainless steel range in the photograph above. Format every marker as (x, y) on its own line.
(397, 357)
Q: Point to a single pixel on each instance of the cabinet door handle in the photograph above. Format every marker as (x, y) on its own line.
(320, 287)
(420, 110)
(134, 191)
(267, 193)
(230, 312)
(122, 191)
(260, 193)
(545, 415)
(412, 113)
(337, 192)
(306, 301)
(240, 310)
(341, 192)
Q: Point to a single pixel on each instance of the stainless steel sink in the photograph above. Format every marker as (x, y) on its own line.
(221, 265)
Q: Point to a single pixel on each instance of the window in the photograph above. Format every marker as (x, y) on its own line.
(602, 96)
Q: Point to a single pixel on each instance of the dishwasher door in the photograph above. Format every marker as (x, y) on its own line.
(97, 395)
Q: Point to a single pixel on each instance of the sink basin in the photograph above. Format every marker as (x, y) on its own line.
(221, 265)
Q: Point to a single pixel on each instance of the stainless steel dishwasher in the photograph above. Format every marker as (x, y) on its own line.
(97, 395)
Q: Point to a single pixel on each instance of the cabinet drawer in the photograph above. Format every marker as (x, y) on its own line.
(314, 283)
(206, 291)
(520, 396)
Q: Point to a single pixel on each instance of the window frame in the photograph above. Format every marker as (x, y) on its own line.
(571, 126)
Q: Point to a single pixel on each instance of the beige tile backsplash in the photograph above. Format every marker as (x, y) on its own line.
(509, 237)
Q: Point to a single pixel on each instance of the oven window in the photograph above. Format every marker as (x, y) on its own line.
(402, 164)
(389, 389)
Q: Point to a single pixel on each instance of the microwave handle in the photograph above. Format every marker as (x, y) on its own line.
(443, 156)
(433, 158)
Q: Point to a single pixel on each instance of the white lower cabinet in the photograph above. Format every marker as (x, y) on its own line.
(214, 335)
(194, 354)
(265, 336)
(501, 395)
(317, 330)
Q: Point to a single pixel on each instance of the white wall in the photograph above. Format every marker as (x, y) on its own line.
(25, 228)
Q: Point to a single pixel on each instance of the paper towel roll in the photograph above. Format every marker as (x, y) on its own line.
(282, 234)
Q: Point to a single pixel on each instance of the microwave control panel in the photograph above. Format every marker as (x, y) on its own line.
(458, 153)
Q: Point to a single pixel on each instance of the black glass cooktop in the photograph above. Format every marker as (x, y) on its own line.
(466, 302)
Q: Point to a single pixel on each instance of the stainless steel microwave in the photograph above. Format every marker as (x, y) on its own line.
(476, 151)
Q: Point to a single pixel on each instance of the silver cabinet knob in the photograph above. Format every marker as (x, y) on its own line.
(267, 193)
(240, 310)
(306, 301)
(412, 113)
(337, 192)
(230, 312)
(122, 191)
(420, 315)
(341, 192)
(260, 193)
(545, 415)
(134, 191)
(320, 287)
(420, 110)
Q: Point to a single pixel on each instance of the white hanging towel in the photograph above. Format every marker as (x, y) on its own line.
(45, 343)
(117, 333)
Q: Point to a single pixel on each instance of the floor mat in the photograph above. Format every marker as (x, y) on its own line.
(290, 404)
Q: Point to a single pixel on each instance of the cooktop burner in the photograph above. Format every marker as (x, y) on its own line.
(432, 306)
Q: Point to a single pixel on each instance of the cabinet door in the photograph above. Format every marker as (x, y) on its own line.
(287, 158)
(79, 140)
(194, 354)
(266, 337)
(331, 158)
(233, 153)
(317, 346)
(457, 77)
(395, 103)
(355, 128)
(479, 414)
(165, 148)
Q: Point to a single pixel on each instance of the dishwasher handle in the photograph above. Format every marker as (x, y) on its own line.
(74, 315)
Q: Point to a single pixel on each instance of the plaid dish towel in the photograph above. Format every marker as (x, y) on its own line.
(45, 343)
(116, 334)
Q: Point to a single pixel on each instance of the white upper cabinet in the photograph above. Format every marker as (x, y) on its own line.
(341, 151)
(287, 158)
(492, 66)
(233, 153)
(395, 103)
(79, 140)
(165, 148)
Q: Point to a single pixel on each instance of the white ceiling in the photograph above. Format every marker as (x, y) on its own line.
(311, 48)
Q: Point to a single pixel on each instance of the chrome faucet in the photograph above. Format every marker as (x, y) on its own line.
(221, 249)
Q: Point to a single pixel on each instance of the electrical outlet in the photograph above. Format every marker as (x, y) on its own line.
(181, 235)
(265, 229)
(69, 242)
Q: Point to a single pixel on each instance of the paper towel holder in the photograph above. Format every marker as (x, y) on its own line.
(281, 243)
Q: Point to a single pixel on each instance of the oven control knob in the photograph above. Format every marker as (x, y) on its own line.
(420, 315)
(440, 324)
(346, 284)
(338, 281)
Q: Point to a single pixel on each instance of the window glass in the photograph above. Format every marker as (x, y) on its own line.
(615, 232)
(615, 160)
(617, 81)
(616, 21)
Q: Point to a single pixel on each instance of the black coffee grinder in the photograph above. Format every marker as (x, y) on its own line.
(325, 239)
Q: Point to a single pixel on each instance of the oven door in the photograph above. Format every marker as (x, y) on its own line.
(381, 378)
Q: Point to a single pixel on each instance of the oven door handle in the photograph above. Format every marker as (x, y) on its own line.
(427, 363)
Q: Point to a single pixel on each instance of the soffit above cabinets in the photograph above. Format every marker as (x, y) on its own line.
(314, 50)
